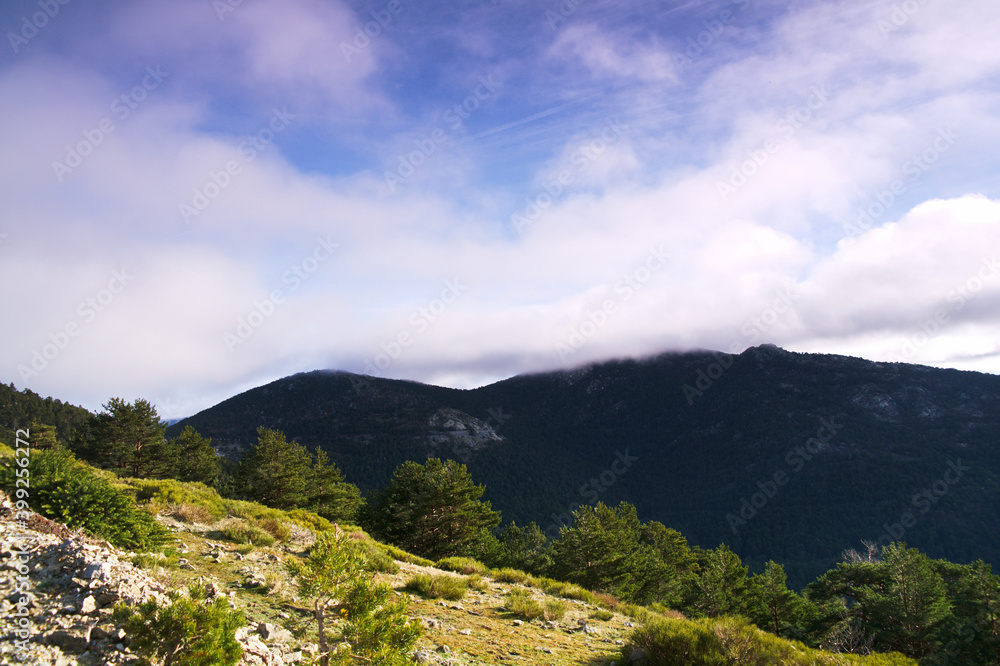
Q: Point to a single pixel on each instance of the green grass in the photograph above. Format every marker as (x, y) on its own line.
(602, 615)
(403, 556)
(508, 575)
(239, 531)
(462, 565)
(477, 582)
(520, 602)
(452, 588)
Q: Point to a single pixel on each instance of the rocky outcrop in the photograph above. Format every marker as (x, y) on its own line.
(57, 594)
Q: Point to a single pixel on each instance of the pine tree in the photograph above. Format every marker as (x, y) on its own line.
(329, 494)
(773, 605)
(433, 509)
(275, 472)
(128, 439)
(722, 585)
(193, 458)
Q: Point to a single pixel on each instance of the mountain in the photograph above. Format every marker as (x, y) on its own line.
(783, 456)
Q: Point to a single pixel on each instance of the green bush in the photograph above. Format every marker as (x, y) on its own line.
(520, 602)
(476, 582)
(553, 609)
(403, 556)
(452, 588)
(377, 559)
(602, 615)
(69, 492)
(161, 494)
(566, 590)
(462, 565)
(674, 643)
(193, 513)
(239, 531)
(731, 640)
(508, 575)
(276, 528)
(188, 632)
(310, 521)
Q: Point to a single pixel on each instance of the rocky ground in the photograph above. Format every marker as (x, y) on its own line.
(76, 581)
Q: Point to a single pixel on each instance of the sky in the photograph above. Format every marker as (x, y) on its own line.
(202, 196)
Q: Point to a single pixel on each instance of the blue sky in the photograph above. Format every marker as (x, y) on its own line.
(203, 196)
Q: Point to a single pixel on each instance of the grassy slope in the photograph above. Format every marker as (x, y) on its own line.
(476, 630)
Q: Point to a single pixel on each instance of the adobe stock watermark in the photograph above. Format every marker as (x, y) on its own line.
(752, 329)
(31, 26)
(438, 139)
(957, 299)
(297, 275)
(248, 149)
(624, 289)
(924, 501)
(420, 320)
(363, 35)
(122, 107)
(914, 168)
(20, 555)
(786, 127)
(86, 312)
(795, 460)
(580, 161)
(592, 490)
(900, 16)
(696, 46)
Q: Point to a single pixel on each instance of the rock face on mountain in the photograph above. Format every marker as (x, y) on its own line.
(784, 456)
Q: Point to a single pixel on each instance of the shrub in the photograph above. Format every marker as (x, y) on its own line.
(520, 602)
(476, 582)
(508, 575)
(567, 590)
(606, 600)
(69, 492)
(188, 632)
(239, 531)
(452, 588)
(462, 565)
(674, 643)
(554, 609)
(276, 528)
(163, 493)
(310, 521)
(194, 513)
(377, 559)
(403, 556)
(602, 615)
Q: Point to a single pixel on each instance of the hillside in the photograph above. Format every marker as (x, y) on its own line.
(723, 448)
(78, 581)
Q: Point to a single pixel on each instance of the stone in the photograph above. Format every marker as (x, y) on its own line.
(89, 605)
(273, 633)
(75, 640)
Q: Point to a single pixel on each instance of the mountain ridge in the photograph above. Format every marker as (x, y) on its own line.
(713, 439)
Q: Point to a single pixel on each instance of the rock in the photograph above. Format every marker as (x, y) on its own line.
(89, 605)
(466, 632)
(518, 623)
(74, 640)
(293, 657)
(273, 633)
(423, 657)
